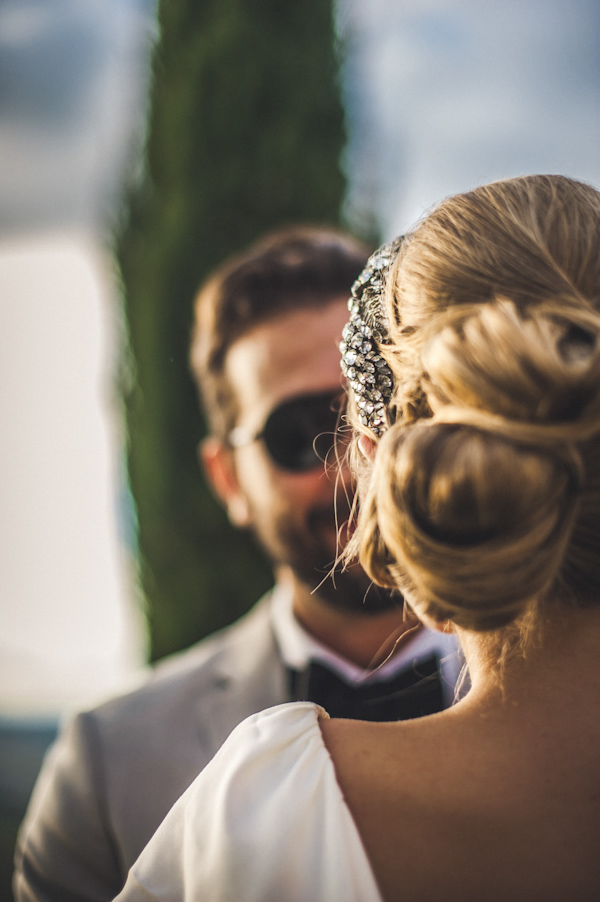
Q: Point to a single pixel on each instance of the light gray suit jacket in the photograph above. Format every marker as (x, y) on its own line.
(116, 771)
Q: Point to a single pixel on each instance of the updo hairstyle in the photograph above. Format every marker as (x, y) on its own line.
(484, 498)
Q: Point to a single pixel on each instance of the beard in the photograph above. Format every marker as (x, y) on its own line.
(310, 548)
(351, 590)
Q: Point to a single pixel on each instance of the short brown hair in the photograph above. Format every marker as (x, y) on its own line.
(288, 269)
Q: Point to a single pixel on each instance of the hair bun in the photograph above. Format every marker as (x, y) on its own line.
(484, 494)
(539, 368)
(471, 525)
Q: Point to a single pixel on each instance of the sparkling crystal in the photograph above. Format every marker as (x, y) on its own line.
(378, 259)
(368, 374)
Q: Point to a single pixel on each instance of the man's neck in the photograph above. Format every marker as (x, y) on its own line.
(364, 639)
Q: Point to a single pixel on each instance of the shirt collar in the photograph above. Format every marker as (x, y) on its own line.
(298, 648)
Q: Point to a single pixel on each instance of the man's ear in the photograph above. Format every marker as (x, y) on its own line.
(218, 464)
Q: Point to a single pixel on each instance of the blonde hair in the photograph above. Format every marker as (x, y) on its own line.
(483, 502)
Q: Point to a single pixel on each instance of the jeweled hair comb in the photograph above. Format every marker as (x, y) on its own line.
(368, 374)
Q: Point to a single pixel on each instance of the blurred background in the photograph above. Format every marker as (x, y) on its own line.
(140, 144)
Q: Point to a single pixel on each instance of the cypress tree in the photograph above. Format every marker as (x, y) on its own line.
(245, 134)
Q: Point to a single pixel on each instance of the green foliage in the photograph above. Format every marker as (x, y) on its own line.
(246, 131)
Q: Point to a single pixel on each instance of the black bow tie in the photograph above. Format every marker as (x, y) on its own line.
(412, 693)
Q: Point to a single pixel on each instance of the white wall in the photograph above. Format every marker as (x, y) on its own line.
(71, 632)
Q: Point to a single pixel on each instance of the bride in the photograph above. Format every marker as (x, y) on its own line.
(473, 361)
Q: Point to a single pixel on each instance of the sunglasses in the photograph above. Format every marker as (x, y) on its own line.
(299, 433)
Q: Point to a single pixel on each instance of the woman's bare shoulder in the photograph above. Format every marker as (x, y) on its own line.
(361, 748)
(425, 795)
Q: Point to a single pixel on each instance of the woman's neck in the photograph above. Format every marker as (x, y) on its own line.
(561, 655)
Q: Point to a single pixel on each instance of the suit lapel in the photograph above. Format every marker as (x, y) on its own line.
(248, 675)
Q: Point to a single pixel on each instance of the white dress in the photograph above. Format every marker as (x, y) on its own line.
(265, 821)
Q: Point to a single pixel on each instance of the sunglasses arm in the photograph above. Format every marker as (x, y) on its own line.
(239, 437)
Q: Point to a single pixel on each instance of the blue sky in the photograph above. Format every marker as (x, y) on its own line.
(442, 95)
(446, 94)
(71, 76)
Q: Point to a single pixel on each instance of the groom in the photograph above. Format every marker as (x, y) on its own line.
(266, 360)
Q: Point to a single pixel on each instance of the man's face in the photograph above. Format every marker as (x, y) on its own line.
(292, 513)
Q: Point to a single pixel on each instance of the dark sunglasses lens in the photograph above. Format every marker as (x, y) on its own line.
(300, 433)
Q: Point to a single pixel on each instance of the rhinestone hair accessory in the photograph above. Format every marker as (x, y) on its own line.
(368, 374)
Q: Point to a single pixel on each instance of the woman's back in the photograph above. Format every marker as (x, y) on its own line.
(493, 799)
